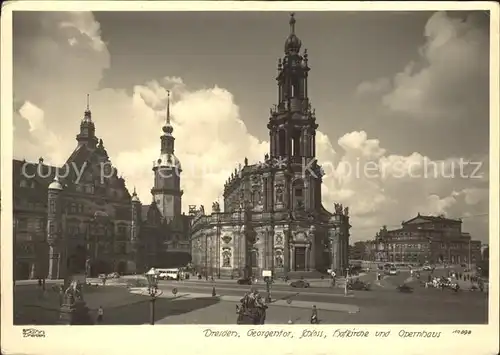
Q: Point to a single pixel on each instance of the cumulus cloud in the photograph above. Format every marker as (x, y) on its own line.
(449, 80)
(211, 136)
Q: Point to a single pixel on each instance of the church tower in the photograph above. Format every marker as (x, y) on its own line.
(87, 130)
(292, 126)
(167, 170)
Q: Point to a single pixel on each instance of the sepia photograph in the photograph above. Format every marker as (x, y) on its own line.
(250, 168)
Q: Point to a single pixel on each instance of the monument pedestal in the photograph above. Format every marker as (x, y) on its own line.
(75, 313)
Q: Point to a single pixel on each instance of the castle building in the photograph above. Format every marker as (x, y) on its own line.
(425, 239)
(273, 218)
(80, 218)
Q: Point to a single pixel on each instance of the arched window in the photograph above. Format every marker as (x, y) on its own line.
(281, 141)
(298, 193)
(254, 258)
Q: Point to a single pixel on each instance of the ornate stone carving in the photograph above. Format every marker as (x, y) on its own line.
(215, 207)
(279, 238)
(226, 257)
(278, 258)
(346, 211)
(227, 239)
(338, 208)
(300, 237)
(279, 193)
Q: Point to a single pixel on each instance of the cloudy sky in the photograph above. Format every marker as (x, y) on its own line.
(394, 90)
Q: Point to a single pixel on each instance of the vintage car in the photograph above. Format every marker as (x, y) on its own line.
(244, 281)
(300, 284)
(358, 285)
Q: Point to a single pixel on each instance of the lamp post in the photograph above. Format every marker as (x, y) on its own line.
(268, 289)
(153, 293)
(331, 239)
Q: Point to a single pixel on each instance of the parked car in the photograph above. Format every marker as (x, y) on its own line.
(393, 271)
(359, 285)
(113, 275)
(300, 284)
(427, 268)
(245, 281)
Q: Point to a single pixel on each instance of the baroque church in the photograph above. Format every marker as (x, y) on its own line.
(80, 218)
(272, 217)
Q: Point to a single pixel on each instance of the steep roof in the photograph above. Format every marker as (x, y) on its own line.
(37, 178)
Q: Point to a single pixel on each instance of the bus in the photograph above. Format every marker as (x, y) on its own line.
(169, 274)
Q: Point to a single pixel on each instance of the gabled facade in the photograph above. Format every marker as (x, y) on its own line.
(80, 218)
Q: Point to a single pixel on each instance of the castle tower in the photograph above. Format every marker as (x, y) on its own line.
(54, 237)
(87, 129)
(166, 190)
(292, 126)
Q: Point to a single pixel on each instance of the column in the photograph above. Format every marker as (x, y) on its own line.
(338, 254)
(312, 256)
(266, 192)
(244, 250)
(271, 142)
(292, 258)
(270, 188)
(306, 193)
(286, 252)
(53, 263)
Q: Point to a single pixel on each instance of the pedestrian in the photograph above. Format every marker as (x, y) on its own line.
(100, 314)
(61, 295)
(314, 315)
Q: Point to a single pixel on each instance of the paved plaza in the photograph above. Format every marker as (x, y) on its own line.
(193, 303)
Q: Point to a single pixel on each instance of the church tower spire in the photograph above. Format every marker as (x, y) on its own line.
(292, 125)
(87, 128)
(167, 169)
(167, 139)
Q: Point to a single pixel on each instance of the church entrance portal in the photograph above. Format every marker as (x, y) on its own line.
(300, 258)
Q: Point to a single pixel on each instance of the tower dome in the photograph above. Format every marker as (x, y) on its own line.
(135, 198)
(292, 43)
(167, 128)
(55, 185)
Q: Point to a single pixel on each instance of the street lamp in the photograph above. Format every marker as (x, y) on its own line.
(153, 293)
(268, 289)
(331, 239)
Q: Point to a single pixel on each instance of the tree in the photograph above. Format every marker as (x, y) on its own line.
(483, 268)
(358, 251)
